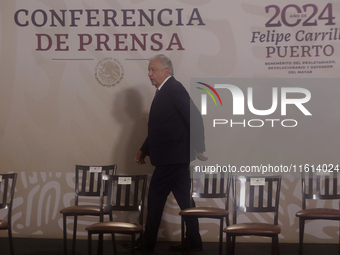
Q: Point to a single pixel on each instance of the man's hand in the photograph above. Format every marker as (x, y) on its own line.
(200, 156)
(139, 158)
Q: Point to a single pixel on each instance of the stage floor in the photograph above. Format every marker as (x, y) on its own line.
(32, 246)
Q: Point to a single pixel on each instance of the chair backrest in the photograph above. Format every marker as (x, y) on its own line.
(210, 184)
(320, 184)
(7, 189)
(124, 193)
(257, 194)
(88, 179)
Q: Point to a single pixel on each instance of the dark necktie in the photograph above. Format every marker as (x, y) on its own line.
(156, 92)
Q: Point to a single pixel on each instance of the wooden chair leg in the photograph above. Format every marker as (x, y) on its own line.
(133, 252)
(228, 242)
(10, 239)
(229, 245)
(301, 232)
(74, 235)
(187, 238)
(89, 243)
(114, 243)
(64, 234)
(100, 244)
(275, 245)
(142, 242)
(233, 244)
(221, 237)
(182, 235)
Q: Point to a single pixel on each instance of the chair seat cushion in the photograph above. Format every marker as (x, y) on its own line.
(81, 209)
(253, 229)
(112, 226)
(204, 212)
(3, 224)
(322, 213)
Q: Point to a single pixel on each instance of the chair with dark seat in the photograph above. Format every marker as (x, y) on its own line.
(7, 189)
(255, 195)
(207, 186)
(324, 186)
(124, 193)
(87, 184)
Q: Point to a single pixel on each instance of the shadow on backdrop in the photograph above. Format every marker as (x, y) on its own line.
(128, 111)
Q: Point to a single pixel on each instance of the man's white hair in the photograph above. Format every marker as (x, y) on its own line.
(165, 61)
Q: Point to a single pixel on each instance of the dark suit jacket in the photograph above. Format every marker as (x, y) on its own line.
(168, 140)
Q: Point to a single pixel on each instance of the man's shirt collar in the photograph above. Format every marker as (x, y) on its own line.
(160, 86)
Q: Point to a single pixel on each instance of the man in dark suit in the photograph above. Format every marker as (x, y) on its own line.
(170, 149)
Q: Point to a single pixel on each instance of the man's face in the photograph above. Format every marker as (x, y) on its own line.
(157, 72)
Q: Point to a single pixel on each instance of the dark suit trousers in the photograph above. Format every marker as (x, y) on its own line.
(166, 179)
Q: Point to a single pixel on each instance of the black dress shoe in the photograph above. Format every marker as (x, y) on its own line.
(138, 247)
(180, 247)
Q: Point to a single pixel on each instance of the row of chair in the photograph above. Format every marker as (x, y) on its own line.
(117, 193)
(255, 194)
(259, 194)
(87, 184)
